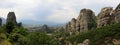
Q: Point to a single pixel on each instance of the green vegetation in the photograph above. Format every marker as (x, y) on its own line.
(18, 35)
(98, 36)
(37, 38)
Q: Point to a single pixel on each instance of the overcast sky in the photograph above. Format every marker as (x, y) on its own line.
(58, 11)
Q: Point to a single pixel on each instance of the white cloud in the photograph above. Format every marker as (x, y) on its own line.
(22, 8)
(60, 16)
(61, 10)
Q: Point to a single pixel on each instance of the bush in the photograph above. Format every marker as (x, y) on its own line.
(39, 38)
(99, 35)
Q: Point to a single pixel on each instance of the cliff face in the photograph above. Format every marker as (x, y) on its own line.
(11, 18)
(73, 24)
(104, 17)
(87, 19)
(117, 14)
(84, 22)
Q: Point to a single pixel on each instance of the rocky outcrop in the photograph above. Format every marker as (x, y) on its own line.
(45, 28)
(105, 17)
(116, 41)
(73, 25)
(84, 22)
(11, 18)
(85, 42)
(68, 27)
(0, 21)
(87, 20)
(108, 16)
(117, 14)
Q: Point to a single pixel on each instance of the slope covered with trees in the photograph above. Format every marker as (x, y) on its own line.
(99, 36)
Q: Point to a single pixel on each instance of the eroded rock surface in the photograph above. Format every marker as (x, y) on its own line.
(11, 18)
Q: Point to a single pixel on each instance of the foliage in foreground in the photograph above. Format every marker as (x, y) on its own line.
(18, 35)
(98, 36)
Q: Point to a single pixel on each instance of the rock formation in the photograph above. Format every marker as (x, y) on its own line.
(87, 20)
(117, 14)
(0, 21)
(85, 42)
(45, 28)
(104, 17)
(84, 22)
(11, 18)
(73, 25)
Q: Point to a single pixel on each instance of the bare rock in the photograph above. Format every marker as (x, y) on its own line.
(11, 18)
(117, 14)
(104, 17)
(87, 20)
(116, 41)
(85, 42)
(73, 25)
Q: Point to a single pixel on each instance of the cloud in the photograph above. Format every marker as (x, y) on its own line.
(60, 16)
(59, 11)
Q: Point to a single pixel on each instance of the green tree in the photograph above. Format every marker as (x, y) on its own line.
(39, 38)
(9, 27)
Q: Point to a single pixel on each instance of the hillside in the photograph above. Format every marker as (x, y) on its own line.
(109, 34)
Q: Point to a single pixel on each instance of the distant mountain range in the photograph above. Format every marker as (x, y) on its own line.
(39, 23)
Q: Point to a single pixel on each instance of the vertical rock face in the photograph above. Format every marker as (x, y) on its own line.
(84, 22)
(87, 20)
(69, 26)
(104, 17)
(11, 18)
(66, 27)
(0, 21)
(117, 14)
(73, 25)
(78, 24)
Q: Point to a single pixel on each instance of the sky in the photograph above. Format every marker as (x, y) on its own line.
(56, 11)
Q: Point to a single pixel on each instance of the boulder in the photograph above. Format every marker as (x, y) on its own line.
(85, 42)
